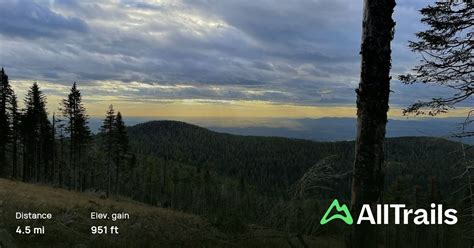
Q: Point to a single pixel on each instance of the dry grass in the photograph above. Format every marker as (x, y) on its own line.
(147, 227)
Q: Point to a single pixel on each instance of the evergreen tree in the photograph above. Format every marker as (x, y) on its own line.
(74, 112)
(61, 160)
(53, 150)
(36, 132)
(121, 143)
(15, 133)
(447, 53)
(5, 96)
(107, 132)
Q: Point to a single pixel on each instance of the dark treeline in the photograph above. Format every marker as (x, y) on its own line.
(59, 149)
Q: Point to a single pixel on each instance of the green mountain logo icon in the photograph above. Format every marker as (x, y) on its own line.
(346, 216)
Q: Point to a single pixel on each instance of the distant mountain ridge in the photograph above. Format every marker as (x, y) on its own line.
(323, 129)
(339, 129)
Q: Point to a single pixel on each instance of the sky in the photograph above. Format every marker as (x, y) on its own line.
(202, 58)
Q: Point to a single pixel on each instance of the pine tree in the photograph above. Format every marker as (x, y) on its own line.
(53, 150)
(74, 112)
(61, 163)
(36, 132)
(107, 132)
(121, 142)
(15, 133)
(5, 95)
(447, 49)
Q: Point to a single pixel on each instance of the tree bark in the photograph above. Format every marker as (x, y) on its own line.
(372, 108)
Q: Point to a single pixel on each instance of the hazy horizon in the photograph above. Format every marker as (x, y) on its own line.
(317, 129)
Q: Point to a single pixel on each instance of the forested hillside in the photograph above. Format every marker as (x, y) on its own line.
(273, 163)
(265, 161)
(286, 183)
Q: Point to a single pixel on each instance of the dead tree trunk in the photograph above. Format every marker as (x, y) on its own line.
(372, 107)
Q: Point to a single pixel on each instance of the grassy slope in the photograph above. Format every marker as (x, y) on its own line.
(147, 227)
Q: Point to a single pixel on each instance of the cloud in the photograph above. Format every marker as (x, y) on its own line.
(288, 52)
(27, 19)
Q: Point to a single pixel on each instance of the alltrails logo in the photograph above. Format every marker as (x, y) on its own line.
(347, 217)
(401, 214)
